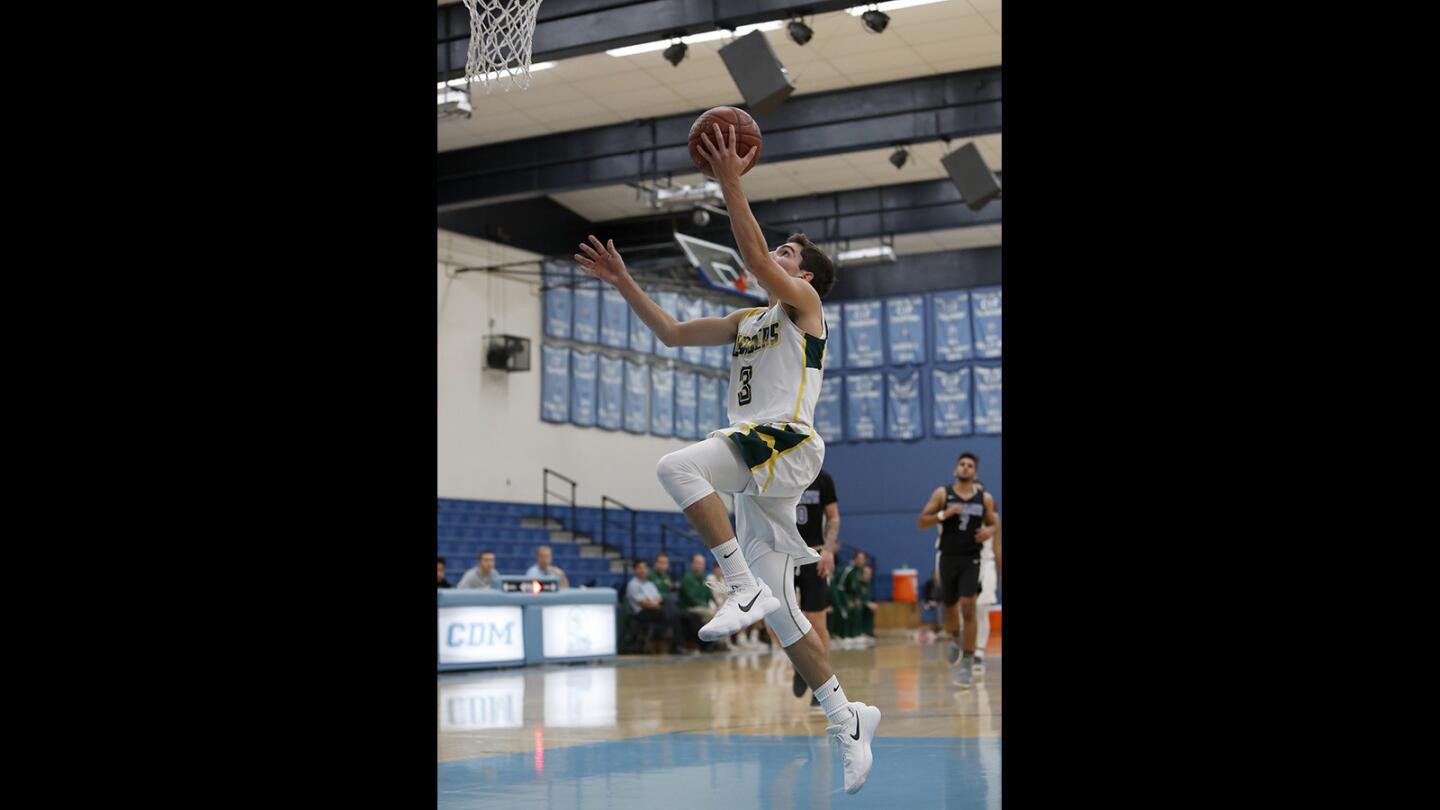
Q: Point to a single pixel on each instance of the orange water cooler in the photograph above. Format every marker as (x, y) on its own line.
(905, 584)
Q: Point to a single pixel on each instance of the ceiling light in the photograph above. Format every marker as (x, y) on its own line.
(662, 44)
(675, 54)
(899, 156)
(870, 255)
(800, 32)
(875, 21)
(856, 11)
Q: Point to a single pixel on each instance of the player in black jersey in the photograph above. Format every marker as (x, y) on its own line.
(964, 517)
(818, 505)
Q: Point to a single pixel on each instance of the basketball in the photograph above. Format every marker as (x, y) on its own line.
(747, 134)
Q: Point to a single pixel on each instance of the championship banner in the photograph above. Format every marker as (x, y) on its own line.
(950, 316)
(950, 408)
(903, 406)
(985, 320)
(905, 327)
(690, 309)
(717, 356)
(637, 397)
(583, 371)
(610, 414)
(555, 384)
(828, 419)
(558, 277)
(587, 312)
(670, 302)
(863, 342)
(987, 399)
(834, 337)
(709, 412)
(614, 319)
(642, 340)
(662, 400)
(685, 392)
(864, 404)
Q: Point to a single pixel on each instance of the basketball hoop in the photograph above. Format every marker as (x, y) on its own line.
(501, 33)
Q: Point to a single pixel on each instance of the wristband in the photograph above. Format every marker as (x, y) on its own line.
(940, 516)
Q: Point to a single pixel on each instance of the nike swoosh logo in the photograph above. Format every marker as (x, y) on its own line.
(727, 556)
(856, 735)
(746, 608)
(836, 689)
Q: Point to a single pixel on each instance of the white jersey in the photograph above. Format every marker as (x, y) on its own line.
(775, 370)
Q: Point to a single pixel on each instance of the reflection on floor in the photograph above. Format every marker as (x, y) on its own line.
(718, 730)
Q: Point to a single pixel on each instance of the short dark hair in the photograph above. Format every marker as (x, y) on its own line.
(969, 455)
(814, 260)
(440, 560)
(637, 564)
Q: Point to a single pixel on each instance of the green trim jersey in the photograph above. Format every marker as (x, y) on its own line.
(775, 370)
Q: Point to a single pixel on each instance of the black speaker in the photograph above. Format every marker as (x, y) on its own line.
(507, 353)
(763, 81)
(977, 184)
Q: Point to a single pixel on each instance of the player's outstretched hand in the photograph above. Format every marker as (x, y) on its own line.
(602, 261)
(724, 162)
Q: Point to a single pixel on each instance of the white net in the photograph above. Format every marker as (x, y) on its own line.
(501, 33)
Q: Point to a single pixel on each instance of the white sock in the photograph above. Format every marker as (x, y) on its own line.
(833, 700)
(732, 562)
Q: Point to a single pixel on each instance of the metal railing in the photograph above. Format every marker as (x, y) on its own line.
(545, 499)
(605, 522)
(667, 529)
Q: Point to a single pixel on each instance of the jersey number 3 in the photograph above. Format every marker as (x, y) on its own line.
(745, 373)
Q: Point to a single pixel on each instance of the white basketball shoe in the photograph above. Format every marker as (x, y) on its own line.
(854, 734)
(744, 605)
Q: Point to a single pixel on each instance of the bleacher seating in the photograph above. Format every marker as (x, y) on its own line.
(465, 528)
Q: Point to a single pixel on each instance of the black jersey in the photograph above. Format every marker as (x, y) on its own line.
(810, 514)
(956, 535)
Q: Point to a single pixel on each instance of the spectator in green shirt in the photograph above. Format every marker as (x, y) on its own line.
(660, 575)
(694, 595)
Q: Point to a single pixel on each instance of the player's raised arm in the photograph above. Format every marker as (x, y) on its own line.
(603, 261)
(727, 166)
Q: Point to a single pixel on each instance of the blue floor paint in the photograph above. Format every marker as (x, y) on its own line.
(695, 771)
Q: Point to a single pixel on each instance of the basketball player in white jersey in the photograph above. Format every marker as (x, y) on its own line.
(770, 452)
(990, 557)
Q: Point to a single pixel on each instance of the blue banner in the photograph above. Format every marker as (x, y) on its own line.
(611, 412)
(662, 401)
(555, 384)
(709, 415)
(864, 404)
(557, 300)
(987, 399)
(905, 326)
(614, 319)
(950, 408)
(690, 309)
(583, 371)
(717, 356)
(670, 302)
(587, 312)
(685, 393)
(950, 316)
(828, 419)
(637, 397)
(642, 340)
(985, 321)
(834, 337)
(903, 418)
(864, 347)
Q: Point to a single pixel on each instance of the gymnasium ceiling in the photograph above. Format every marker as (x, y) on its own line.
(597, 90)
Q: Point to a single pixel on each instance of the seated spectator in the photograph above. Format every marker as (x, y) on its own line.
(660, 575)
(440, 581)
(643, 599)
(483, 575)
(865, 626)
(694, 595)
(543, 568)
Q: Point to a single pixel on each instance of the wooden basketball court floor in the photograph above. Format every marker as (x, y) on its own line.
(720, 730)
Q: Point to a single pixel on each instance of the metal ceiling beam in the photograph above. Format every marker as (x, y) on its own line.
(928, 108)
(567, 28)
(544, 226)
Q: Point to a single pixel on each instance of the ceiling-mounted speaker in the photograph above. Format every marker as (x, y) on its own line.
(977, 184)
(762, 80)
(507, 353)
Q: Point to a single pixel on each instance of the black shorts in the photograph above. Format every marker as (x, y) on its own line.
(813, 590)
(959, 577)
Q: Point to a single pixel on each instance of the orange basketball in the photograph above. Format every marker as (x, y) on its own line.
(747, 134)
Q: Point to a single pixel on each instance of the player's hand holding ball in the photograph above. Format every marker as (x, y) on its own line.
(725, 161)
(602, 261)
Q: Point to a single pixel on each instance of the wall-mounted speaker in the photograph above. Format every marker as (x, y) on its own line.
(763, 81)
(507, 353)
(977, 184)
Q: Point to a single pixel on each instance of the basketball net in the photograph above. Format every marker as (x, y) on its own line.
(501, 33)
